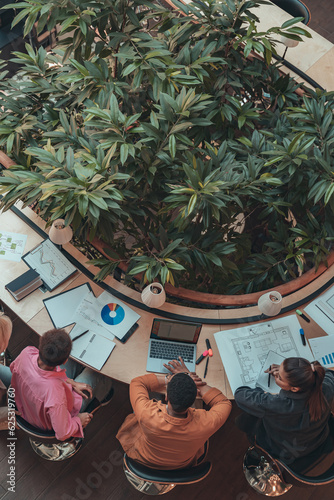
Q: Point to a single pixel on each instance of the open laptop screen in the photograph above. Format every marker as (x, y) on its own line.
(178, 331)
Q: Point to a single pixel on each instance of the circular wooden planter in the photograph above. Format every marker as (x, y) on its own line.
(217, 300)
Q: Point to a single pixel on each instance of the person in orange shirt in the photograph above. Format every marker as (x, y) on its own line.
(172, 435)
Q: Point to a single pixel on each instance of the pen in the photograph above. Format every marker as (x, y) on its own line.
(302, 315)
(301, 331)
(206, 366)
(78, 336)
(269, 376)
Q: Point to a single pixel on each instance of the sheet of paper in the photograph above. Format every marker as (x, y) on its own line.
(88, 315)
(106, 315)
(321, 310)
(12, 245)
(323, 350)
(61, 307)
(244, 350)
(50, 263)
(263, 381)
(92, 348)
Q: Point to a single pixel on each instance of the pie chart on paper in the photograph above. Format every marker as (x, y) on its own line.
(112, 314)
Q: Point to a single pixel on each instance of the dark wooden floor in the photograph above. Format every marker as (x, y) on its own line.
(96, 472)
(322, 17)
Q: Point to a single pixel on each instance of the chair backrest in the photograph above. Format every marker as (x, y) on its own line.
(326, 477)
(296, 8)
(175, 476)
(34, 431)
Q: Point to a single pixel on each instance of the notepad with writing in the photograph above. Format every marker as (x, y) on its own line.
(263, 378)
(92, 349)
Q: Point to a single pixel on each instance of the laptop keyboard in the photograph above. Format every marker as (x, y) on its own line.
(168, 350)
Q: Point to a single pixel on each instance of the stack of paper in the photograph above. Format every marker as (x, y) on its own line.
(24, 284)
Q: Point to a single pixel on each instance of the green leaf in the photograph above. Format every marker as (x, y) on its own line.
(69, 21)
(172, 146)
(329, 193)
(192, 203)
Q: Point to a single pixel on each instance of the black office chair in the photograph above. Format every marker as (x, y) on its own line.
(46, 445)
(295, 8)
(157, 482)
(272, 477)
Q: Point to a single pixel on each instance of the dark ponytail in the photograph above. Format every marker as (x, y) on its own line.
(308, 377)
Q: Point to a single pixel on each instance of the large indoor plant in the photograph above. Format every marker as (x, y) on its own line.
(153, 132)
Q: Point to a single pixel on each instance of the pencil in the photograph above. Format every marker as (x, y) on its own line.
(206, 366)
(269, 376)
(78, 336)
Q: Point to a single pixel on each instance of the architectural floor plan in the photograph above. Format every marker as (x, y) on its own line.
(244, 350)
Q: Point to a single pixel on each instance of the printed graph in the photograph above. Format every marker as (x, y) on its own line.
(50, 263)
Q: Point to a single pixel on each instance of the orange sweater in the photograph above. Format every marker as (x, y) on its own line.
(156, 439)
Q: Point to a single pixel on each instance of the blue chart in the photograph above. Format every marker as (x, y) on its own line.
(112, 314)
(328, 359)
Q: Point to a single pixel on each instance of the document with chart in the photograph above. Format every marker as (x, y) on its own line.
(106, 315)
(50, 263)
(12, 245)
(321, 310)
(244, 350)
(323, 350)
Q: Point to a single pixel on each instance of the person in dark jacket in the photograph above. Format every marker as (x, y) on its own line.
(295, 422)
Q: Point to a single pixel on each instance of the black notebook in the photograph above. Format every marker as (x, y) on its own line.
(24, 284)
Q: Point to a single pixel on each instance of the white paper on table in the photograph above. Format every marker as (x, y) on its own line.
(12, 245)
(263, 378)
(48, 261)
(122, 317)
(321, 310)
(88, 315)
(244, 350)
(130, 317)
(61, 307)
(92, 348)
(323, 350)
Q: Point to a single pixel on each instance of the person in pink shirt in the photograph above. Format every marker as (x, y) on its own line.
(46, 396)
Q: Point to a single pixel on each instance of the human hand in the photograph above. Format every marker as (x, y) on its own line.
(175, 366)
(198, 381)
(80, 387)
(85, 418)
(273, 369)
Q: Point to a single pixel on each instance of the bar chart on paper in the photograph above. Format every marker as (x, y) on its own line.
(328, 359)
(323, 350)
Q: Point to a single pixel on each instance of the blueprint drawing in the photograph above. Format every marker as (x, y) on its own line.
(244, 350)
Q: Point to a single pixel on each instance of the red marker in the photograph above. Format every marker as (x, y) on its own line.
(202, 356)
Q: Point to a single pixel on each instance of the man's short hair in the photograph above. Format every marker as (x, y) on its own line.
(181, 392)
(55, 347)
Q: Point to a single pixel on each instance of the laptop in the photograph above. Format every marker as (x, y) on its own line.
(170, 339)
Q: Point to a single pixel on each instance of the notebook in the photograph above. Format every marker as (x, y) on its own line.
(170, 339)
(24, 284)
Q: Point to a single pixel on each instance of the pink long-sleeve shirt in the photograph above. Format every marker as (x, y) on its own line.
(44, 398)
